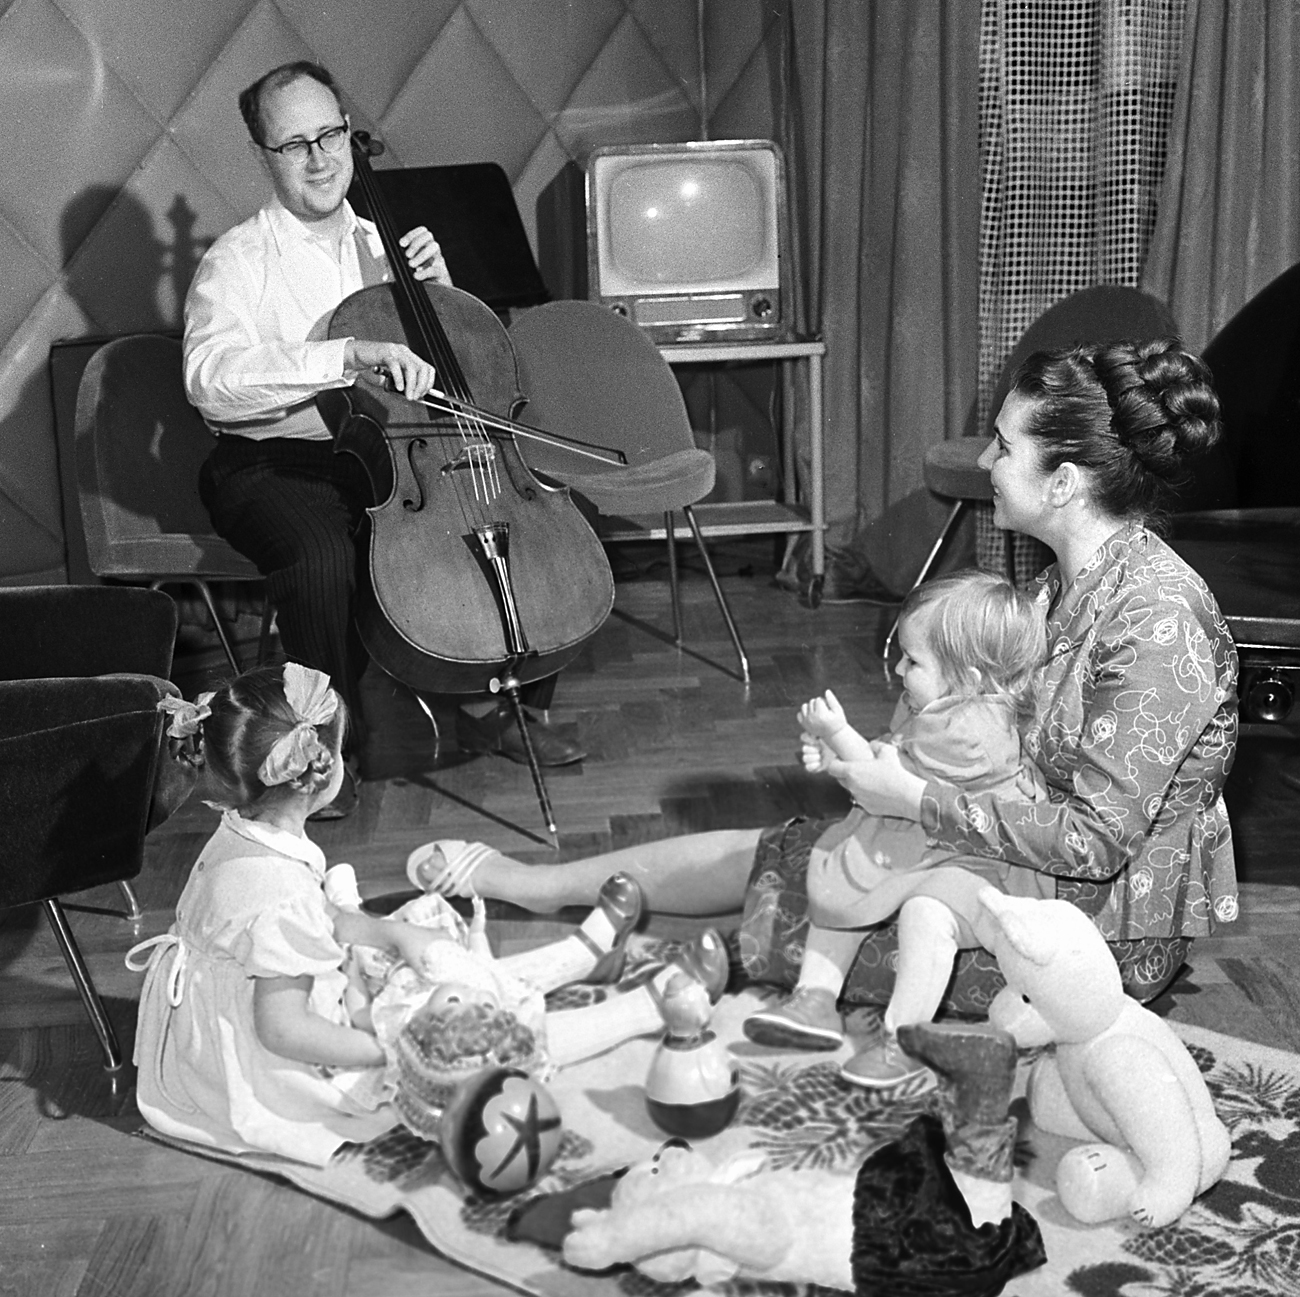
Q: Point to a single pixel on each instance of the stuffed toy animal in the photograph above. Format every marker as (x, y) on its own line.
(929, 1212)
(1118, 1078)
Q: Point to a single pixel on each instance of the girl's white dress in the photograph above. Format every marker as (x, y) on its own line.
(253, 907)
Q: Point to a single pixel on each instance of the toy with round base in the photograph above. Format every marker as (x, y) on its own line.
(693, 1086)
(501, 1131)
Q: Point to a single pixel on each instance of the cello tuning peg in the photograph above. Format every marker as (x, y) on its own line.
(370, 146)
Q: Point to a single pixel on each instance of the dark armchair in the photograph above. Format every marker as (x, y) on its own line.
(82, 749)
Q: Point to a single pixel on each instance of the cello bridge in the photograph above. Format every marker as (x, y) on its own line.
(479, 459)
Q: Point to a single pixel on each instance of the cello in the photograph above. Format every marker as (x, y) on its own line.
(480, 575)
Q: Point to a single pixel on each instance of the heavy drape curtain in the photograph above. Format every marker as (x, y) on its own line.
(880, 129)
(1229, 213)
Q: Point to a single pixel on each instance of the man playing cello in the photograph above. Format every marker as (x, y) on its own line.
(256, 354)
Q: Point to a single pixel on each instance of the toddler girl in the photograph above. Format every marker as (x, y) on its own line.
(972, 644)
(248, 1037)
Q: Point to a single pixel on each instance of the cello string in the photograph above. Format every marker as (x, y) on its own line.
(429, 327)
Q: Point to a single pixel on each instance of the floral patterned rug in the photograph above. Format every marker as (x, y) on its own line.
(1241, 1239)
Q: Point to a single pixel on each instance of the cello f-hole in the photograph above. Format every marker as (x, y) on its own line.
(416, 505)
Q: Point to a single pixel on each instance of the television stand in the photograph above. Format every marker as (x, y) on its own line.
(788, 515)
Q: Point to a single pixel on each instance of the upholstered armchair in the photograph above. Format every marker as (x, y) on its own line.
(82, 749)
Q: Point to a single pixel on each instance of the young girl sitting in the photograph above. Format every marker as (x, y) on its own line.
(972, 644)
(247, 1037)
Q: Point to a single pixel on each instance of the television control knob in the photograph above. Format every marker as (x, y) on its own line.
(762, 307)
(1269, 696)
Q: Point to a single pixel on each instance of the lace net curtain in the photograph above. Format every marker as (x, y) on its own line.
(1075, 103)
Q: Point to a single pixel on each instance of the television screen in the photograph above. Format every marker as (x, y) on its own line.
(685, 239)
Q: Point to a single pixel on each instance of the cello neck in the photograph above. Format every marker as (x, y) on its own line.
(425, 334)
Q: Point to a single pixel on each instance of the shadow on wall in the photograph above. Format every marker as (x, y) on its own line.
(124, 277)
(139, 288)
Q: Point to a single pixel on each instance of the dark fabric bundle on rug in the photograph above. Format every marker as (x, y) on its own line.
(913, 1234)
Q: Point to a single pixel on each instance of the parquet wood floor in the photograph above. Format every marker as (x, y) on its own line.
(675, 744)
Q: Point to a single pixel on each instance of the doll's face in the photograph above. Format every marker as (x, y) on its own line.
(452, 994)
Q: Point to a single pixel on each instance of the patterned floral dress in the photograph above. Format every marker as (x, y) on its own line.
(1135, 733)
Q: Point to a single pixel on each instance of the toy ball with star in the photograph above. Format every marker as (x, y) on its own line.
(501, 1131)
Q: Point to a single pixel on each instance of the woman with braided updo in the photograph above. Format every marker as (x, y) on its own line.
(1135, 722)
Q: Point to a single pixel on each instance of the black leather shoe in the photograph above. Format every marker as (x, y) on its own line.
(497, 732)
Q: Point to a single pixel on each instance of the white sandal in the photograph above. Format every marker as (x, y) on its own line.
(462, 859)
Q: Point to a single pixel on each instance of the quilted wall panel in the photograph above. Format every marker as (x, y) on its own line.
(124, 155)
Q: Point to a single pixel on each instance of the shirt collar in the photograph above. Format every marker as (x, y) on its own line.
(288, 229)
(280, 841)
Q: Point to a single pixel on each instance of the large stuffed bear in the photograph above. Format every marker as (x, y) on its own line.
(1118, 1078)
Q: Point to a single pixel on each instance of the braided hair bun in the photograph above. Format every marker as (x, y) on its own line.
(1134, 415)
(1164, 409)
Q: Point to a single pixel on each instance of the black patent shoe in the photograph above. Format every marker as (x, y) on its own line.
(622, 901)
(704, 959)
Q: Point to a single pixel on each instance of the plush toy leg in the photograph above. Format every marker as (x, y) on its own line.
(576, 1034)
(739, 1222)
(976, 1064)
(1096, 1182)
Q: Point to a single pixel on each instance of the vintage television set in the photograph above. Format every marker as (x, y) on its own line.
(686, 240)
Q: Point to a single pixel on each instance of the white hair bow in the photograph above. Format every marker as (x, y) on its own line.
(313, 703)
(186, 717)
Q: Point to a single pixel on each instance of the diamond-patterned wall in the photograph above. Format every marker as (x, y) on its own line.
(123, 154)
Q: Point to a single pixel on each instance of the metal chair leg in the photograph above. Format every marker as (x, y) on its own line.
(264, 634)
(673, 588)
(954, 517)
(133, 911)
(81, 975)
(723, 606)
(206, 591)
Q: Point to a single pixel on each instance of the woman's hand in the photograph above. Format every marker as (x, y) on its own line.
(424, 256)
(881, 786)
(815, 753)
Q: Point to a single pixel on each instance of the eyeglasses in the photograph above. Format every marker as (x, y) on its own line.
(334, 140)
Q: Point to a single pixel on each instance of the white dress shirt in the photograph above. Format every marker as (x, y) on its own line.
(256, 317)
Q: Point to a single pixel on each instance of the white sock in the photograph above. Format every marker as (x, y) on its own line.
(575, 1034)
(820, 974)
(927, 947)
(827, 957)
(568, 960)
